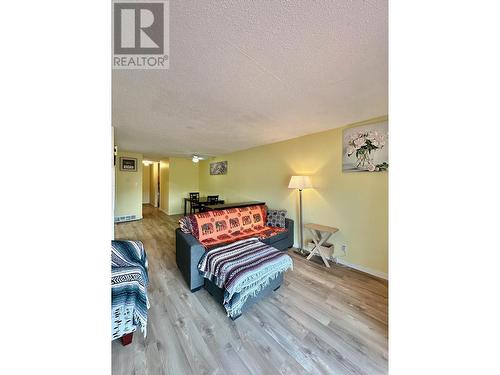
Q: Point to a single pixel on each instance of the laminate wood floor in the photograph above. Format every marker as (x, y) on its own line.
(321, 321)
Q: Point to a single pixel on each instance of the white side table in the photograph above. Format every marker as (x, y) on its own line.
(320, 234)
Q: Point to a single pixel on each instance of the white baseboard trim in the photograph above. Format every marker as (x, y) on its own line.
(170, 213)
(364, 269)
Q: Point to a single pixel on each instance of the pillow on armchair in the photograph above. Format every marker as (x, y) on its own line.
(276, 218)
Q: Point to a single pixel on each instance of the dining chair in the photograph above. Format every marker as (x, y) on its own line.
(212, 199)
(194, 199)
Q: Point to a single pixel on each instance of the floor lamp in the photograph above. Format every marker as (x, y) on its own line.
(301, 183)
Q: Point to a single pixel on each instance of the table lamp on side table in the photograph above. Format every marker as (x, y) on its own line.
(300, 182)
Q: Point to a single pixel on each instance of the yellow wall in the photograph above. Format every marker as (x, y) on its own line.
(146, 169)
(153, 183)
(128, 197)
(164, 185)
(356, 203)
(113, 185)
(183, 179)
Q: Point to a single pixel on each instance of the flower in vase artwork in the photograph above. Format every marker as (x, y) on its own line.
(365, 148)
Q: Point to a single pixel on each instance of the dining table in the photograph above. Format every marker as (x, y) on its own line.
(203, 201)
(222, 206)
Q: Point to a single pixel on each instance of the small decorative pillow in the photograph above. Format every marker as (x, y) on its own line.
(276, 218)
(185, 224)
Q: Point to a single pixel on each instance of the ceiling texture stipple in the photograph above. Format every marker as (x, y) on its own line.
(248, 73)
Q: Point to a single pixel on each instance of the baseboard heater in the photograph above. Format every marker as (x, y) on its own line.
(121, 219)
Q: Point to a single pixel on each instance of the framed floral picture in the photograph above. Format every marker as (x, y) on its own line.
(365, 148)
(219, 167)
(128, 164)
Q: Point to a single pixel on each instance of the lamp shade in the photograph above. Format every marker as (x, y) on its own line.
(300, 182)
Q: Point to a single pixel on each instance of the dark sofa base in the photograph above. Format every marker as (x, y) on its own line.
(188, 252)
(218, 293)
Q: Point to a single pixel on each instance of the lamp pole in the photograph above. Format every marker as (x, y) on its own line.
(300, 223)
(300, 183)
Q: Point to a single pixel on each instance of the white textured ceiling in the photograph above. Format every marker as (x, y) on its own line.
(248, 73)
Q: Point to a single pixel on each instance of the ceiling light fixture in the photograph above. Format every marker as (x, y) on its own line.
(147, 162)
(196, 159)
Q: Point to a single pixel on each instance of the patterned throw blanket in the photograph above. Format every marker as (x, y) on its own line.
(129, 281)
(243, 269)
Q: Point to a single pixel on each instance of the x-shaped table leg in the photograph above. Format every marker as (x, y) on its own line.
(319, 240)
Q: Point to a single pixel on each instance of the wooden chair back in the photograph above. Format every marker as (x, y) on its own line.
(212, 199)
(194, 197)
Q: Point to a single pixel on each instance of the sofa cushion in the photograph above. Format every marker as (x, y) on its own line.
(216, 225)
(276, 218)
(278, 235)
(249, 217)
(262, 232)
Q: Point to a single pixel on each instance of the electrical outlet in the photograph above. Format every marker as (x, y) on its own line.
(344, 249)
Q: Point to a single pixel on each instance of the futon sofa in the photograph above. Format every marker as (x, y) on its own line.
(207, 230)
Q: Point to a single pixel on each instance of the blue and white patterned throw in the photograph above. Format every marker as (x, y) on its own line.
(129, 281)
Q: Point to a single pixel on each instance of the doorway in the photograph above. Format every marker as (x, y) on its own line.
(158, 195)
(153, 184)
